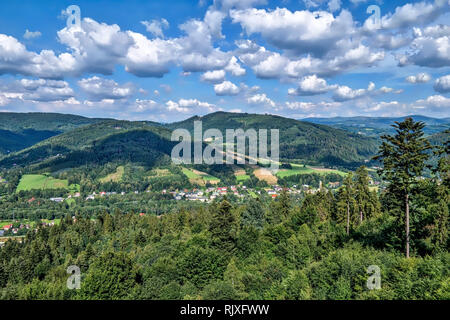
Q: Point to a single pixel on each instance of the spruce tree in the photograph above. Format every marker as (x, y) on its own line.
(404, 155)
(222, 227)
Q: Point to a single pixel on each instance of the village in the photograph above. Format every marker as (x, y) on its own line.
(211, 193)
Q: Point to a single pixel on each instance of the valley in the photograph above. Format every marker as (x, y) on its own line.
(112, 184)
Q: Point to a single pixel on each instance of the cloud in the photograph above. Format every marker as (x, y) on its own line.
(38, 90)
(334, 5)
(260, 99)
(442, 84)
(430, 48)
(144, 105)
(226, 88)
(436, 103)
(308, 108)
(32, 34)
(344, 93)
(316, 33)
(100, 89)
(414, 14)
(189, 106)
(235, 68)
(155, 27)
(419, 78)
(96, 47)
(216, 76)
(311, 85)
(16, 59)
(269, 65)
(226, 5)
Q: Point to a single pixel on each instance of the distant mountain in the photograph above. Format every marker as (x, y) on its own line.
(21, 130)
(300, 140)
(148, 142)
(376, 126)
(97, 144)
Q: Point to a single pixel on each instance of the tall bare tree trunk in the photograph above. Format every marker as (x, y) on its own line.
(348, 219)
(360, 216)
(407, 223)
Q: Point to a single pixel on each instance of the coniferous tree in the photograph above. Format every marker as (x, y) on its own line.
(346, 197)
(253, 215)
(222, 227)
(404, 155)
(362, 192)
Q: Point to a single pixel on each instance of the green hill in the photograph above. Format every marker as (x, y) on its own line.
(22, 130)
(299, 140)
(377, 126)
(97, 144)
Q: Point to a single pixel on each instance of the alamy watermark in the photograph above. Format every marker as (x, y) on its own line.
(74, 281)
(374, 281)
(214, 152)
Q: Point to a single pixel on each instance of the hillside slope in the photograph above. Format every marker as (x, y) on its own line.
(96, 144)
(22, 130)
(376, 126)
(298, 140)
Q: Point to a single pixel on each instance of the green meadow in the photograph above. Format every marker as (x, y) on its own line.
(42, 182)
(301, 169)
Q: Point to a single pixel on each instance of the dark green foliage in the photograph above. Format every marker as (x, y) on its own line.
(223, 227)
(300, 140)
(404, 158)
(111, 276)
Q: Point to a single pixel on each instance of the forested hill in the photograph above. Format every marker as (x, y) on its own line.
(22, 130)
(376, 126)
(298, 139)
(97, 143)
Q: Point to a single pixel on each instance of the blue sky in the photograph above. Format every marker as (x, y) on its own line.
(169, 60)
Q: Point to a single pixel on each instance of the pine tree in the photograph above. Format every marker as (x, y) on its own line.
(346, 195)
(222, 227)
(362, 192)
(404, 156)
(253, 215)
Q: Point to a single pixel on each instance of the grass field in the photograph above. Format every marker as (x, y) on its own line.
(301, 169)
(115, 176)
(41, 181)
(191, 175)
(242, 177)
(196, 176)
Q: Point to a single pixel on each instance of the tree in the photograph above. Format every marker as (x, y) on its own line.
(362, 191)
(404, 156)
(253, 215)
(222, 227)
(111, 276)
(346, 195)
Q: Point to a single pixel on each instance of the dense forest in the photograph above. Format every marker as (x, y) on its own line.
(319, 246)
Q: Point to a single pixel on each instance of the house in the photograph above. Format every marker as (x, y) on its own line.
(57, 199)
(7, 227)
